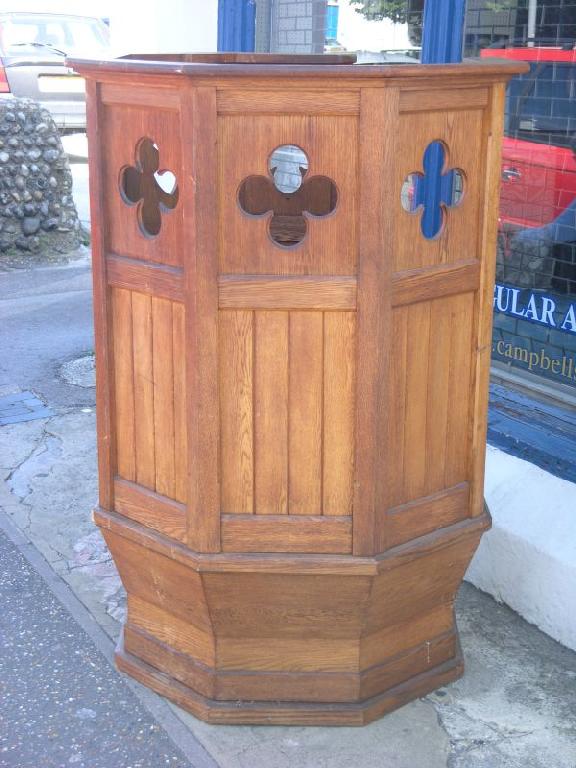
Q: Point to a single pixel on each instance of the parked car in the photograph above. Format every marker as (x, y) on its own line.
(32, 51)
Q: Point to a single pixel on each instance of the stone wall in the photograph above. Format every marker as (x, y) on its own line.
(37, 211)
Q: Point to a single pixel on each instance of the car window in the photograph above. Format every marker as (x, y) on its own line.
(542, 104)
(85, 38)
(72, 35)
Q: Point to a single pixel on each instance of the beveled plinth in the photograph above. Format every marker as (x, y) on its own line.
(349, 640)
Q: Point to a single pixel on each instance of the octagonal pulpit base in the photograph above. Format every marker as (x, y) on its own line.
(285, 639)
(288, 712)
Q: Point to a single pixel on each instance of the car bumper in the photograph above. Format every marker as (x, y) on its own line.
(67, 115)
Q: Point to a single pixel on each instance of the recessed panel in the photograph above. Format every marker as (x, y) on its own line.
(430, 402)
(287, 389)
(149, 392)
(440, 150)
(142, 185)
(264, 229)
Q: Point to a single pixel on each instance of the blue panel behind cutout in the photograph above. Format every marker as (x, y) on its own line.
(434, 189)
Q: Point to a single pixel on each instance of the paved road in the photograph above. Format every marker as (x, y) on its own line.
(45, 320)
(62, 704)
(46, 315)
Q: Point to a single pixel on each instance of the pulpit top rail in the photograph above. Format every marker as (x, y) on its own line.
(292, 66)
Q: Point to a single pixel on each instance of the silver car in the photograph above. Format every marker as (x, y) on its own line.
(32, 51)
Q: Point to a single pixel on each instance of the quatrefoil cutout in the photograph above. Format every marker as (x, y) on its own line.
(433, 192)
(287, 197)
(152, 190)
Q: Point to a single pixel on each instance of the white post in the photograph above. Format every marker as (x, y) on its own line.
(532, 8)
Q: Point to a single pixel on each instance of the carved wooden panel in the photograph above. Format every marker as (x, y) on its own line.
(128, 132)
(329, 244)
(461, 134)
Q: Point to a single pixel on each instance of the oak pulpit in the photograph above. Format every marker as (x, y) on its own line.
(294, 266)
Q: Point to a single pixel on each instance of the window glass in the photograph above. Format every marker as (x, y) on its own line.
(535, 294)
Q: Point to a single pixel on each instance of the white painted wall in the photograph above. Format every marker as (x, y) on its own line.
(528, 559)
(164, 26)
(98, 8)
(356, 33)
(142, 26)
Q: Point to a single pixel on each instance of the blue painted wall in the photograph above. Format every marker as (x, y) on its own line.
(442, 43)
(236, 25)
(443, 31)
(332, 12)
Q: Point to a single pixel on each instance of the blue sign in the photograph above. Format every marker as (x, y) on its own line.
(535, 306)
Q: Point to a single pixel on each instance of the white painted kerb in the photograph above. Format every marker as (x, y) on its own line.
(528, 559)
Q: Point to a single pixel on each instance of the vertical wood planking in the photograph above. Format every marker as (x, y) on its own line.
(121, 302)
(493, 120)
(102, 314)
(378, 211)
(459, 428)
(162, 353)
(397, 405)
(143, 389)
(338, 416)
(305, 413)
(236, 407)
(198, 136)
(438, 387)
(417, 384)
(271, 413)
(180, 436)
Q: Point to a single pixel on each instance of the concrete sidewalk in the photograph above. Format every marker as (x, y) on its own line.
(514, 708)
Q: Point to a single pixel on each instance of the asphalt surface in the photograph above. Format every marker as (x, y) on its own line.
(62, 704)
(45, 320)
(46, 313)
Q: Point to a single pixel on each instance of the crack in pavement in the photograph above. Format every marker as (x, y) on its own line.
(47, 460)
(15, 469)
(43, 444)
(472, 744)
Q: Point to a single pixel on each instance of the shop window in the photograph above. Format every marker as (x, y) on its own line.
(535, 294)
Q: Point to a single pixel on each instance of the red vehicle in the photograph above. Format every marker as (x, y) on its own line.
(539, 160)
